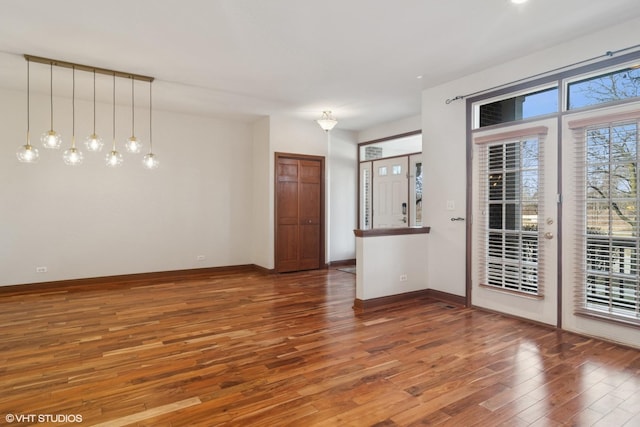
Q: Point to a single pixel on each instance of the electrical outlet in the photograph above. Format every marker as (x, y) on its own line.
(41, 269)
(403, 277)
(451, 205)
(200, 258)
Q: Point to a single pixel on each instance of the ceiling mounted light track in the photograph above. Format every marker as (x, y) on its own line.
(73, 156)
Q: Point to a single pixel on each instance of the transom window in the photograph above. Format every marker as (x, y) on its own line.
(514, 108)
(604, 88)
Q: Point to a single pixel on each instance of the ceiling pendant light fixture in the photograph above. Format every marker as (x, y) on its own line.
(28, 153)
(93, 142)
(327, 121)
(150, 160)
(73, 156)
(133, 144)
(114, 159)
(51, 139)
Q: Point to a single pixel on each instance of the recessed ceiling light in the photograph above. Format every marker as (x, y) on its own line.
(518, 1)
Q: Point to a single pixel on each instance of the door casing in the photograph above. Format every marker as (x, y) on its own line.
(320, 213)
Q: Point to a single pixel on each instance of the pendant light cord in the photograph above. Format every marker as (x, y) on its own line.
(150, 117)
(51, 91)
(133, 109)
(94, 101)
(114, 112)
(73, 108)
(28, 103)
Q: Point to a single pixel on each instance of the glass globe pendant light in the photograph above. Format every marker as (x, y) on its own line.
(150, 160)
(93, 142)
(73, 156)
(28, 153)
(51, 139)
(114, 159)
(133, 144)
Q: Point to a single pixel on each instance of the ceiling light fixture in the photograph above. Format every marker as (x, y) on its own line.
(28, 153)
(133, 144)
(150, 160)
(93, 142)
(73, 156)
(51, 139)
(518, 1)
(114, 159)
(327, 121)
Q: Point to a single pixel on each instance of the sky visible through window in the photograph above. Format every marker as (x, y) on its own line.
(605, 88)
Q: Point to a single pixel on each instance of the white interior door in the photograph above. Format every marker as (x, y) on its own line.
(390, 193)
(514, 252)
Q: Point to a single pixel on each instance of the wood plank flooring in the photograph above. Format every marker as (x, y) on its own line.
(253, 349)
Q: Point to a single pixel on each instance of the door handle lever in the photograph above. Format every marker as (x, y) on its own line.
(457, 219)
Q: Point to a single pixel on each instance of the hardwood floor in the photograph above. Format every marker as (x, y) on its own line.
(248, 348)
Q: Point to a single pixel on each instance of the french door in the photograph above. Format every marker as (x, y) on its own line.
(601, 243)
(515, 214)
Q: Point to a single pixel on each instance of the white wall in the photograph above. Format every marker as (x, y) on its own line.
(343, 194)
(92, 221)
(262, 223)
(396, 127)
(383, 259)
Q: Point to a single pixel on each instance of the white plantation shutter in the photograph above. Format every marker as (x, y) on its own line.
(511, 204)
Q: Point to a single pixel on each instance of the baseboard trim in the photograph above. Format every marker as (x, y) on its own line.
(342, 263)
(264, 270)
(447, 297)
(362, 305)
(136, 279)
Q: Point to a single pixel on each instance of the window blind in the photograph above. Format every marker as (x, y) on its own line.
(511, 185)
(607, 231)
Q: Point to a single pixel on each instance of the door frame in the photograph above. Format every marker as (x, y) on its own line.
(323, 236)
(536, 308)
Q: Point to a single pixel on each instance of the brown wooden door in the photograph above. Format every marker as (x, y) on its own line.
(299, 213)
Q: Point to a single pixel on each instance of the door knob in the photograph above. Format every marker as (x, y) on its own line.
(548, 235)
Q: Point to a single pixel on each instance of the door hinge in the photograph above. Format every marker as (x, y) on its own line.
(559, 198)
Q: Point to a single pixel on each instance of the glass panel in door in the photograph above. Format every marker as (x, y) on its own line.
(514, 221)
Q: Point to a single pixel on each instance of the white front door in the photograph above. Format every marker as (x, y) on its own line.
(390, 193)
(514, 252)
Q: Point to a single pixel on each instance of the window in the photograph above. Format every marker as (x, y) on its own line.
(604, 88)
(519, 107)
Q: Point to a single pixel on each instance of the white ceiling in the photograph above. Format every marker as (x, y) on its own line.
(243, 59)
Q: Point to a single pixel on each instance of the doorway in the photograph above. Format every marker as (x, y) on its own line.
(515, 214)
(299, 212)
